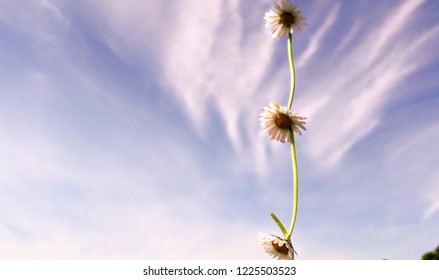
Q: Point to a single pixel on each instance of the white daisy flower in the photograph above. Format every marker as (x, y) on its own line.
(276, 247)
(279, 122)
(284, 18)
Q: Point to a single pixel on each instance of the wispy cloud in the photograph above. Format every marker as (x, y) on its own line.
(92, 165)
(316, 39)
(363, 79)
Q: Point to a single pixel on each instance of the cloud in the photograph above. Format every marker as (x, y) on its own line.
(87, 163)
(361, 81)
(222, 69)
(316, 40)
(130, 198)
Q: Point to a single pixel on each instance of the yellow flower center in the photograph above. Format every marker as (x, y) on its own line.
(280, 249)
(283, 121)
(287, 20)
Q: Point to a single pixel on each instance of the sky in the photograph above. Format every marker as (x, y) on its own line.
(130, 129)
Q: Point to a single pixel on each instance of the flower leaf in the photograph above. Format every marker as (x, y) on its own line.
(280, 225)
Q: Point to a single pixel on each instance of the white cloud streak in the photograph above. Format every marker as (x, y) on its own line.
(316, 40)
(363, 79)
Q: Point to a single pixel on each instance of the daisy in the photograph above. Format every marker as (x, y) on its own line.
(279, 122)
(276, 247)
(284, 18)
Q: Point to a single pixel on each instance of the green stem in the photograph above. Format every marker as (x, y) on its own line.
(293, 149)
(292, 69)
(296, 186)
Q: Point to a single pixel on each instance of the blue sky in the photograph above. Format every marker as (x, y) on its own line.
(129, 130)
